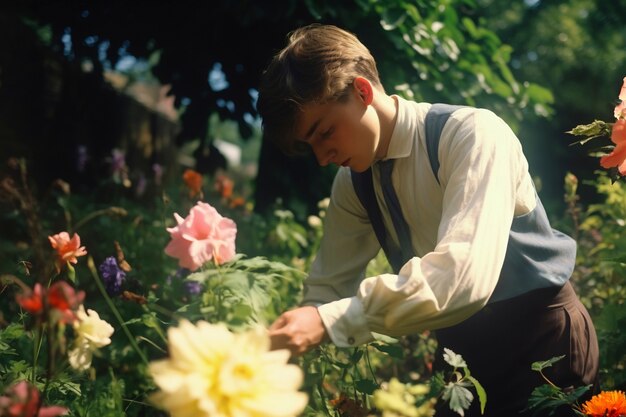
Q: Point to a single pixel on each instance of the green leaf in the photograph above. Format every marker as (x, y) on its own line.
(395, 351)
(391, 18)
(620, 259)
(454, 359)
(541, 365)
(458, 396)
(366, 386)
(546, 397)
(539, 94)
(356, 355)
(482, 395)
(11, 332)
(592, 130)
(71, 272)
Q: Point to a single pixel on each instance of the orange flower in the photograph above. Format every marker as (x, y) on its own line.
(606, 404)
(617, 158)
(224, 186)
(67, 249)
(193, 181)
(237, 202)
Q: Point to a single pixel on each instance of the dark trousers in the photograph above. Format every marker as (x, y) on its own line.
(500, 342)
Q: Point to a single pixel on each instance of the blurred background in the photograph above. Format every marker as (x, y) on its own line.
(167, 86)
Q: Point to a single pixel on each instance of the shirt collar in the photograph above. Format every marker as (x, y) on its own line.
(401, 142)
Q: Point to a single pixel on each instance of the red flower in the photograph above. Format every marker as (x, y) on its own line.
(65, 300)
(31, 301)
(67, 249)
(61, 299)
(22, 400)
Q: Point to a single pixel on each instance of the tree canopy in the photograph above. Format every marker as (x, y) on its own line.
(431, 50)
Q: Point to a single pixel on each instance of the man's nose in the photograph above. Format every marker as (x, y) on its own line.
(324, 155)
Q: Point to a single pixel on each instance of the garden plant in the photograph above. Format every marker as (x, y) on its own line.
(160, 303)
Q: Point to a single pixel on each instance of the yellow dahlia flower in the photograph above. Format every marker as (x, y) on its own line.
(213, 372)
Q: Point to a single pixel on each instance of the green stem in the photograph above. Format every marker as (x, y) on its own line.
(36, 350)
(369, 365)
(546, 379)
(150, 342)
(109, 211)
(115, 311)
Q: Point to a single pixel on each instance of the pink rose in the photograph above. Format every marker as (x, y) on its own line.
(22, 400)
(202, 236)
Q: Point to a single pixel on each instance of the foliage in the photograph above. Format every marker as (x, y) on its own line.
(154, 295)
(598, 231)
(549, 396)
(577, 50)
(600, 268)
(429, 50)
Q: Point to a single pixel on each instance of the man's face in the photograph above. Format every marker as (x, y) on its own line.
(342, 133)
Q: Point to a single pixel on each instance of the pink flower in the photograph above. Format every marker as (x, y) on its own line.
(620, 109)
(22, 400)
(67, 249)
(202, 236)
(617, 158)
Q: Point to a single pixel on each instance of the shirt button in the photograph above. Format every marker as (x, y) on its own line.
(351, 340)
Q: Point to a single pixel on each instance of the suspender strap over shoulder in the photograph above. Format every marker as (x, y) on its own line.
(436, 119)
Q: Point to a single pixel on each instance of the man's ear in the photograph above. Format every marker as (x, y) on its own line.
(364, 89)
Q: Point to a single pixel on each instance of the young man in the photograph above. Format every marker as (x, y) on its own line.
(480, 263)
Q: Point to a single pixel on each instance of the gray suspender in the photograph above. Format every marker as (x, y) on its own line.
(537, 256)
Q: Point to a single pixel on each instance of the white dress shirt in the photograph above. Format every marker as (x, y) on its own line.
(459, 229)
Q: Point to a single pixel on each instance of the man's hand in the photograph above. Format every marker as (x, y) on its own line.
(298, 330)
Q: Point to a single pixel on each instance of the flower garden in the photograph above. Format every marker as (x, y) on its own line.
(160, 306)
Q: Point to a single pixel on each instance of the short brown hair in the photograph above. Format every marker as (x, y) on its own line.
(318, 65)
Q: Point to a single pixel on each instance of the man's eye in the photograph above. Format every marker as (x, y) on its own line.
(327, 133)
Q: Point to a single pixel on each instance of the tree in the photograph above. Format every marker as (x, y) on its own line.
(576, 49)
(432, 50)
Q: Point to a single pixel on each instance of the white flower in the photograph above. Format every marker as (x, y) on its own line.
(91, 333)
(213, 372)
(323, 204)
(314, 221)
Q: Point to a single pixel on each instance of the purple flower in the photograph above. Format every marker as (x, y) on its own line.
(193, 287)
(180, 274)
(112, 276)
